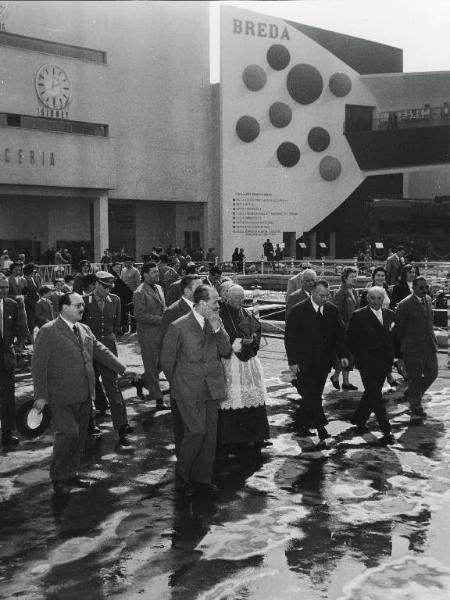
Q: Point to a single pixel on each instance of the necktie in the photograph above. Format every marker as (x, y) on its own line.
(380, 316)
(1, 318)
(77, 333)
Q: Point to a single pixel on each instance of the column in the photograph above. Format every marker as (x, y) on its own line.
(100, 226)
(313, 244)
(332, 244)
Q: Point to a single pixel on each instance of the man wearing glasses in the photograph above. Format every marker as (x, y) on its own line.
(102, 313)
(414, 327)
(63, 377)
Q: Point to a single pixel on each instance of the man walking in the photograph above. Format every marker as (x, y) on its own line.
(190, 359)
(314, 331)
(149, 306)
(307, 279)
(102, 313)
(414, 327)
(370, 340)
(63, 376)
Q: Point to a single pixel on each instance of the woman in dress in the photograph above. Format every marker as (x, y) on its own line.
(347, 301)
(242, 423)
(404, 287)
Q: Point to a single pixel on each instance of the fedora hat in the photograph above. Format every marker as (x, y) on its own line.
(30, 422)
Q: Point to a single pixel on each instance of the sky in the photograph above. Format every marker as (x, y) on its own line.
(420, 27)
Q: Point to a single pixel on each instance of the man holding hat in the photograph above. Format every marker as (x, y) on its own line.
(102, 312)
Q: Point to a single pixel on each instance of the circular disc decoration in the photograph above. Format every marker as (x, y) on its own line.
(280, 114)
(340, 84)
(278, 57)
(304, 83)
(247, 129)
(318, 139)
(330, 168)
(254, 77)
(288, 154)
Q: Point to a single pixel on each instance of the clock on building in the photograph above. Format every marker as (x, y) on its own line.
(53, 86)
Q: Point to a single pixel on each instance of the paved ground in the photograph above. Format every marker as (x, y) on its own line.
(353, 522)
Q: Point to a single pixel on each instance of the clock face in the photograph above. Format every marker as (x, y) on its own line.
(53, 86)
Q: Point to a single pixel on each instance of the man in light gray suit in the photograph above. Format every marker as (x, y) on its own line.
(414, 328)
(63, 377)
(307, 279)
(190, 359)
(149, 306)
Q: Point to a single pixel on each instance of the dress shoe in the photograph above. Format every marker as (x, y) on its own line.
(61, 488)
(418, 413)
(361, 429)
(8, 439)
(161, 406)
(79, 483)
(387, 440)
(315, 447)
(124, 442)
(349, 386)
(126, 429)
(140, 387)
(335, 383)
(185, 488)
(323, 434)
(305, 432)
(207, 488)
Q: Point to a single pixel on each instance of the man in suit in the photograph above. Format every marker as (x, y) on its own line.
(314, 331)
(102, 313)
(414, 328)
(370, 340)
(214, 277)
(307, 280)
(394, 266)
(174, 291)
(43, 311)
(9, 328)
(149, 306)
(181, 307)
(63, 376)
(190, 359)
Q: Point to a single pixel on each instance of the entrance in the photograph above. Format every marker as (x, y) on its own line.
(289, 238)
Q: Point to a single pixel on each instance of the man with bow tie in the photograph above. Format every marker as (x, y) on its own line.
(414, 327)
(370, 340)
(149, 306)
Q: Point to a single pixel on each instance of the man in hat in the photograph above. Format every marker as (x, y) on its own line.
(102, 312)
(63, 377)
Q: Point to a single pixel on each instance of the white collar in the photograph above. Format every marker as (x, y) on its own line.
(316, 306)
(307, 293)
(189, 302)
(200, 318)
(377, 312)
(68, 323)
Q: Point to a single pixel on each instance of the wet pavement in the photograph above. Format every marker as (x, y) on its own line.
(353, 522)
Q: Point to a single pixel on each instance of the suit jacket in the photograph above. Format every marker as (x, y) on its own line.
(173, 292)
(106, 322)
(43, 312)
(399, 291)
(393, 268)
(370, 341)
(293, 285)
(190, 359)
(149, 306)
(311, 342)
(31, 291)
(414, 326)
(62, 368)
(346, 303)
(294, 298)
(174, 312)
(10, 330)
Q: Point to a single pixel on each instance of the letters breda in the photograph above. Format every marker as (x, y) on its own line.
(258, 29)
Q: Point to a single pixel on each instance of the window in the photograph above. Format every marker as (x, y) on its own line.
(44, 124)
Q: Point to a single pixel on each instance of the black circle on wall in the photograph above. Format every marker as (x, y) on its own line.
(247, 128)
(280, 114)
(254, 77)
(278, 57)
(304, 83)
(330, 168)
(288, 154)
(340, 84)
(318, 139)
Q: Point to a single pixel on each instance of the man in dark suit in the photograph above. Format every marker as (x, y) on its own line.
(9, 328)
(414, 328)
(370, 340)
(314, 331)
(190, 358)
(307, 280)
(178, 309)
(214, 277)
(174, 291)
(63, 376)
(102, 313)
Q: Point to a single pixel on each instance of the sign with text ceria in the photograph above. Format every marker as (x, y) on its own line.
(54, 90)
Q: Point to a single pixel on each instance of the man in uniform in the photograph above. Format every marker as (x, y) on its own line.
(102, 312)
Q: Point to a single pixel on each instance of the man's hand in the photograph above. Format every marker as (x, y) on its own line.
(295, 369)
(214, 320)
(128, 374)
(344, 363)
(40, 404)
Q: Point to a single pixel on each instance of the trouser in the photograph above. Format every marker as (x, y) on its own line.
(70, 424)
(113, 394)
(177, 425)
(310, 385)
(150, 360)
(7, 401)
(198, 446)
(372, 400)
(421, 371)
